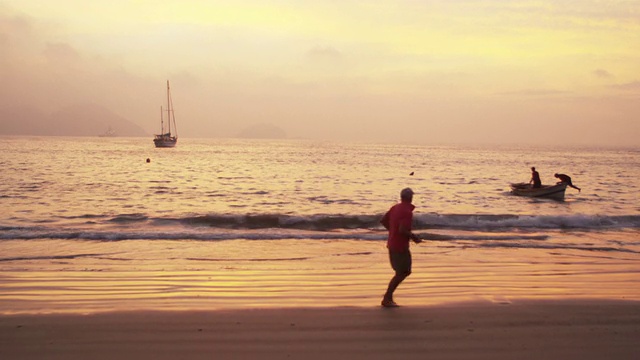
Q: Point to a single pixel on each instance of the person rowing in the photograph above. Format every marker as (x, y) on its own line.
(535, 179)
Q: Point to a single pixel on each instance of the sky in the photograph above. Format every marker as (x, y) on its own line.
(431, 71)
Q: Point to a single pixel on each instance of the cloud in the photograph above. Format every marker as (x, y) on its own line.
(16, 37)
(61, 53)
(603, 74)
(43, 71)
(535, 92)
(324, 53)
(630, 86)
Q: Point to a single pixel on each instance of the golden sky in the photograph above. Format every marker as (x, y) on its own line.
(433, 71)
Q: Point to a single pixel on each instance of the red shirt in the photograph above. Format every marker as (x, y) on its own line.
(400, 214)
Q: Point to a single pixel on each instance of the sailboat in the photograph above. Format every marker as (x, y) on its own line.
(166, 139)
(109, 133)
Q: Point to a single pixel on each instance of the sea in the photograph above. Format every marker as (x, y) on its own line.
(108, 223)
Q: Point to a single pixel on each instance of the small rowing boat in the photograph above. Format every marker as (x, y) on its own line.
(545, 191)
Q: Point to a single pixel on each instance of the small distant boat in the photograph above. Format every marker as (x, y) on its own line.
(555, 192)
(109, 133)
(167, 139)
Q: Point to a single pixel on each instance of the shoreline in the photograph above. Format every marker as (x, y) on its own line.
(550, 329)
(46, 276)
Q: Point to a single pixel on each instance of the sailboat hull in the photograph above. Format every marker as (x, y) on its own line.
(165, 141)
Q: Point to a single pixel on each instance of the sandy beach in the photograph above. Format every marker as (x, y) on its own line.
(564, 329)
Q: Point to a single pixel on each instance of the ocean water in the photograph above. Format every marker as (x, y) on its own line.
(88, 224)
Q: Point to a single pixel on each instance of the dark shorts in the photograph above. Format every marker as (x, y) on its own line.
(400, 261)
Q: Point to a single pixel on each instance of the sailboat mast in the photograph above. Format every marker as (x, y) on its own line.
(161, 120)
(169, 109)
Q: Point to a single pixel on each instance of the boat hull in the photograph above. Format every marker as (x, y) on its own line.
(165, 141)
(546, 191)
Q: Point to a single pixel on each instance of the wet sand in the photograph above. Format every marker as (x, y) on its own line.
(563, 329)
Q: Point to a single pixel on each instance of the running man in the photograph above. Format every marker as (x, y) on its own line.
(398, 221)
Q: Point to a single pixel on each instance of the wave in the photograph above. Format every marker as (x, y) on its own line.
(109, 256)
(549, 246)
(480, 222)
(213, 235)
(475, 231)
(529, 222)
(49, 257)
(463, 240)
(480, 228)
(421, 222)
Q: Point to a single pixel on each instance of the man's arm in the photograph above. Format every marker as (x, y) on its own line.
(406, 232)
(385, 221)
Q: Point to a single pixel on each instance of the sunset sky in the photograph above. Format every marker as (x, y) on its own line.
(430, 71)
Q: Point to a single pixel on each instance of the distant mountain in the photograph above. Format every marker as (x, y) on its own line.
(23, 121)
(263, 131)
(76, 120)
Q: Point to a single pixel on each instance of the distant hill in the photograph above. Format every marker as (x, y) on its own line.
(76, 120)
(262, 131)
(22, 121)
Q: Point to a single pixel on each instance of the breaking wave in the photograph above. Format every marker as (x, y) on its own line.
(328, 223)
(421, 221)
(489, 231)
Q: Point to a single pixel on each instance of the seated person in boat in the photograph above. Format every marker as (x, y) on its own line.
(535, 178)
(567, 180)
